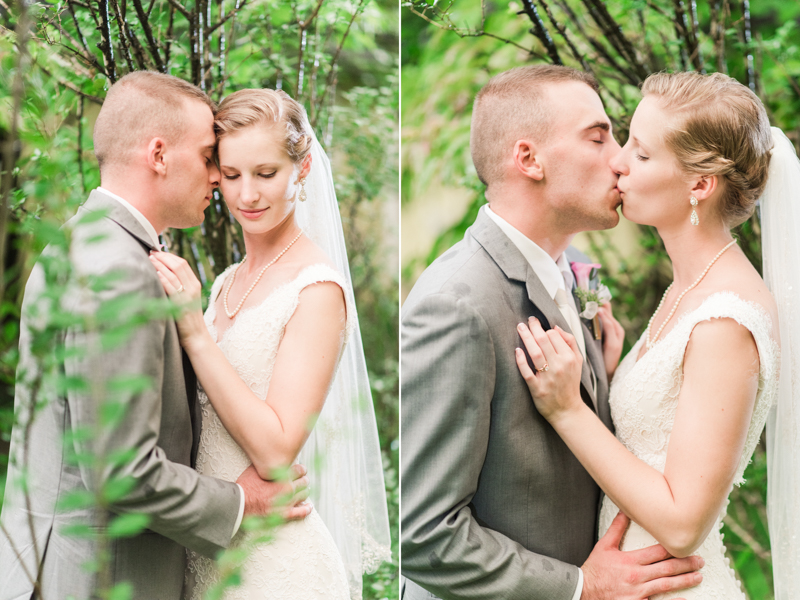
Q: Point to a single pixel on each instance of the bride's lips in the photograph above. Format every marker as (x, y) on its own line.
(252, 214)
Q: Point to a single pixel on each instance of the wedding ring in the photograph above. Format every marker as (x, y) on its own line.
(180, 289)
(544, 368)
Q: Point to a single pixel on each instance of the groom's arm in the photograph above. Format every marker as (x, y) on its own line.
(448, 381)
(196, 511)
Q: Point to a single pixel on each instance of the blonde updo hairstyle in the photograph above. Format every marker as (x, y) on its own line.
(721, 128)
(266, 107)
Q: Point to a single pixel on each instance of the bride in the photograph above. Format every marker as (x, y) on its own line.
(279, 360)
(690, 400)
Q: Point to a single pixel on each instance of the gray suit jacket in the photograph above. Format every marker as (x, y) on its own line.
(161, 426)
(494, 505)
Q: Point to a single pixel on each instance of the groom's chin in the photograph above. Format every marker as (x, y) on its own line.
(610, 221)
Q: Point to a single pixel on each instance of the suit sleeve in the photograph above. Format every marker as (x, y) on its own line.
(196, 511)
(448, 379)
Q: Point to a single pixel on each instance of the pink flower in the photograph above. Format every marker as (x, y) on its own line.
(583, 272)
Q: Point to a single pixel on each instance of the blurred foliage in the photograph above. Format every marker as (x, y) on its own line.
(450, 50)
(337, 57)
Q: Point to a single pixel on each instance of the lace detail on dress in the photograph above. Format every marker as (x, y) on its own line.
(644, 400)
(301, 560)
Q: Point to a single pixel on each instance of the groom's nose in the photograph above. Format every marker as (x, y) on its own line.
(213, 174)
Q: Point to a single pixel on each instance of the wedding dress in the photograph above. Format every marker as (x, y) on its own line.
(301, 562)
(644, 399)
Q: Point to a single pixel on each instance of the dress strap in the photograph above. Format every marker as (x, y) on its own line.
(750, 315)
(321, 272)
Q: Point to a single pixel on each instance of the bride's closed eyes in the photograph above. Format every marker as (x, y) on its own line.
(262, 175)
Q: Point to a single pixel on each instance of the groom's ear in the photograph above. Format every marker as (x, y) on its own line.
(527, 161)
(156, 156)
(704, 187)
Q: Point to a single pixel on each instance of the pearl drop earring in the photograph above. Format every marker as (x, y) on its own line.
(303, 196)
(695, 220)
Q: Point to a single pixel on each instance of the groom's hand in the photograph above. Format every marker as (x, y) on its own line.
(611, 574)
(286, 497)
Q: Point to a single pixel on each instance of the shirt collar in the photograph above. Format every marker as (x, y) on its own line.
(148, 227)
(551, 273)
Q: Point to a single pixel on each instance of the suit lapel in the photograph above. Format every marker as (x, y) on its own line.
(98, 201)
(516, 268)
(594, 355)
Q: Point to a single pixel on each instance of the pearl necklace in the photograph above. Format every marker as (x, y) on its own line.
(250, 289)
(651, 342)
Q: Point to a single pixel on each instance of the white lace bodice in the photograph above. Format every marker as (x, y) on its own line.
(251, 344)
(644, 400)
(302, 560)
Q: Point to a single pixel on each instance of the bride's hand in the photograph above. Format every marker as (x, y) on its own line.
(613, 339)
(555, 385)
(182, 286)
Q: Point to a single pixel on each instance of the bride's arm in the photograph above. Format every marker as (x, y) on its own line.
(680, 506)
(271, 432)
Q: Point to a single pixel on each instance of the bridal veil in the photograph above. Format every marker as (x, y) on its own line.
(343, 452)
(780, 234)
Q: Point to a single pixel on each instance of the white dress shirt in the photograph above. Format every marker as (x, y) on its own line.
(153, 234)
(556, 277)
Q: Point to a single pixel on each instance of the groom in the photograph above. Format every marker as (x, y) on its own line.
(494, 505)
(154, 140)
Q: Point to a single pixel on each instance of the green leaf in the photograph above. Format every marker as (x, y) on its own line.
(128, 525)
(92, 216)
(117, 488)
(76, 500)
(78, 530)
(121, 591)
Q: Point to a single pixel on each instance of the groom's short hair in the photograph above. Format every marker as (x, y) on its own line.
(140, 106)
(511, 106)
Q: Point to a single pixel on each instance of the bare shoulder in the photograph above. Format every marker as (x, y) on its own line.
(309, 254)
(739, 276)
(322, 296)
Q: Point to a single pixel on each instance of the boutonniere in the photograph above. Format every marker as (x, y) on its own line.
(590, 299)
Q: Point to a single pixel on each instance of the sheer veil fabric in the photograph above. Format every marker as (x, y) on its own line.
(343, 451)
(780, 224)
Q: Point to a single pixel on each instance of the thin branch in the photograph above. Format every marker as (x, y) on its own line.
(332, 72)
(10, 147)
(695, 27)
(629, 75)
(105, 44)
(71, 86)
(613, 33)
(540, 31)
(148, 33)
(121, 25)
(80, 143)
(231, 14)
(464, 33)
(305, 24)
(78, 27)
(748, 40)
(180, 9)
(221, 85)
(789, 77)
(562, 30)
(21, 560)
(127, 33)
(53, 22)
(168, 43)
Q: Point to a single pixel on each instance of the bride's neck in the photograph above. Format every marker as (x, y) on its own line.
(691, 250)
(264, 247)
